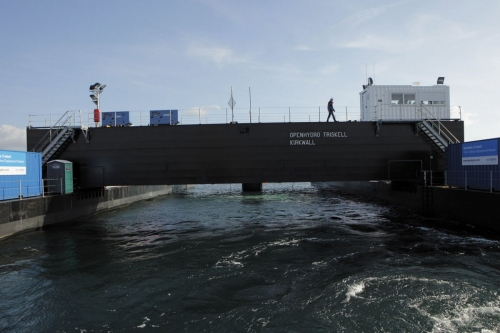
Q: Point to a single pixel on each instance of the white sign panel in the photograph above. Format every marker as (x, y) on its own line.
(12, 163)
(483, 152)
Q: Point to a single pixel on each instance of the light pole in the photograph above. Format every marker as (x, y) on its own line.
(96, 89)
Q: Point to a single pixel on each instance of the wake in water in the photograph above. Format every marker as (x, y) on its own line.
(290, 259)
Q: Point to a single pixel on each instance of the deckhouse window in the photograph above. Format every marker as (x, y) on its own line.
(398, 99)
(433, 102)
(433, 98)
(409, 98)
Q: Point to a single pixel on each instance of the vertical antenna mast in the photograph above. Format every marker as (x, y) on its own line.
(231, 103)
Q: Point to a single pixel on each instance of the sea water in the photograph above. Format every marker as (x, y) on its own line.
(292, 258)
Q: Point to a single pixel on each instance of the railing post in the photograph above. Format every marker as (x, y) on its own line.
(289, 115)
(491, 181)
(20, 191)
(259, 114)
(199, 115)
(430, 175)
(319, 113)
(466, 180)
(346, 113)
(446, 178)
(226, 115)
(50, 131)
(425, 178)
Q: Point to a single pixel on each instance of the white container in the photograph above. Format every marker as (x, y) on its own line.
(408, 103)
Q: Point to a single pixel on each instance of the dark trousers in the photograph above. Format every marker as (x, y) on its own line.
(330, 113)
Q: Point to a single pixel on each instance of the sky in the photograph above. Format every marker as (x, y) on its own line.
(189, 54)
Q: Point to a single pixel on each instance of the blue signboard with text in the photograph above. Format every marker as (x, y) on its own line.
(483, 152)
(12, 163)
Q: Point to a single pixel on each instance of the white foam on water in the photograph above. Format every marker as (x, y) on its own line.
(146, 319)
(235, 259)
(320, 263)
(465, 318)
(225, 262)
(354, 290)
(263, 321)
(459, 311)
(284, 242)
(345, 256)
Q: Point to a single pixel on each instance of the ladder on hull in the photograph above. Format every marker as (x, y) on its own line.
(58, 135)
(54, 145)
(435, 130)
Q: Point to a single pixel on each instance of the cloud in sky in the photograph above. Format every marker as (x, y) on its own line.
(221, 56)
(424, 31)
(302, 48)
(329, 69)
(363, 16)
(12, 138)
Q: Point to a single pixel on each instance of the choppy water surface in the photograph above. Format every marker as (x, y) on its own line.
(212, 259)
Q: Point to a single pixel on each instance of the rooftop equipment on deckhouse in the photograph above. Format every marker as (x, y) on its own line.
(405, 102)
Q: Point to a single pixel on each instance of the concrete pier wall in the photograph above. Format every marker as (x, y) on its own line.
(479, 209)
(34, 213)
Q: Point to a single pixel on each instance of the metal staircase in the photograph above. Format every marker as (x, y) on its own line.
(435, 130)
(58, 135)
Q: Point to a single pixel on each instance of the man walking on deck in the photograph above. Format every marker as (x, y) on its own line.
(331, 110)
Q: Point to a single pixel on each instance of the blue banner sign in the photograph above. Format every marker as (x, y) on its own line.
(483, 152)
(12, 163)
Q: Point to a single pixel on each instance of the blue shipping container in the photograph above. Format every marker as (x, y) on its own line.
(115, 118)
(164, 117)
(473, 165)
(20, 174)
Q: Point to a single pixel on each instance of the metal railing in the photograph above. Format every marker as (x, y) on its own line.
(196, 116)
(437, 125)
(472, 180)
(256, 115)
(68, 119)
(18, 189)
(21, 189)
(397, 112)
